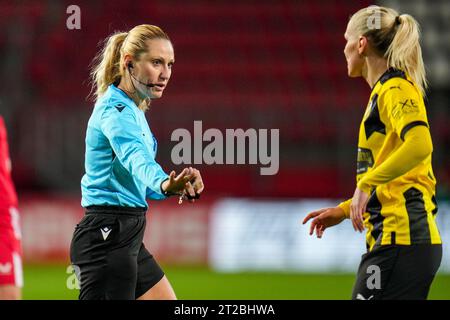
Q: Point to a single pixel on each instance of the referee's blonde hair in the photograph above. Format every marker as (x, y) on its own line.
(394, 37)
(107, 66)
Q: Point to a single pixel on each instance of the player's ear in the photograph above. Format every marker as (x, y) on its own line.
(362, 45)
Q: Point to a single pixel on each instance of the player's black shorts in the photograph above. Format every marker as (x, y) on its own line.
(395, 272)
(109, 257)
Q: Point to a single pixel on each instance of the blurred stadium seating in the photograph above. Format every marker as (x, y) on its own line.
(271, 65)
(267, 65)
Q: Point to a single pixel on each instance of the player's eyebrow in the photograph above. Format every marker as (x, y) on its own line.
(161, 58)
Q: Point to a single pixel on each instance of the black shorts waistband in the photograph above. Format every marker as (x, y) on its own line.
(117, 210)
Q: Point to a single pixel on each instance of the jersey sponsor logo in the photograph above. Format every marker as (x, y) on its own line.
(5, 268)
(408, 106)
(364, 161)
(105, 232)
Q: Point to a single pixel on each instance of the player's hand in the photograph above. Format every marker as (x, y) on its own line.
(324, 218)
(357, 209)
(177, 184)
(194, 187)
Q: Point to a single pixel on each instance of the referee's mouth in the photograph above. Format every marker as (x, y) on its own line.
(159, 87)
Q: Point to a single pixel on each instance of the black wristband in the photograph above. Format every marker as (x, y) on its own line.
(168, 194)
(197, 196)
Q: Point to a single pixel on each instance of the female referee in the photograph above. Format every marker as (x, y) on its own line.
(107, 252)
(395, 194)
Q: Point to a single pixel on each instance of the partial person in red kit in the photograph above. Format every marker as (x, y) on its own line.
(11, 275)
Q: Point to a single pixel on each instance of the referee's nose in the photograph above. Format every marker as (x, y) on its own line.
(165, 74)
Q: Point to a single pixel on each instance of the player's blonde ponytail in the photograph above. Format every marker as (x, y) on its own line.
(107, 67)
(404, 52)
(395, 37)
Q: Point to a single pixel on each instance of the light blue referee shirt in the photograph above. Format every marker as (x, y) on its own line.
(120, 155)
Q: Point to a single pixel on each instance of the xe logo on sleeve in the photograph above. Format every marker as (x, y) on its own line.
(409, 106)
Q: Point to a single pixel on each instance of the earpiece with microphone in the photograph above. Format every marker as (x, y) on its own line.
(148, 85)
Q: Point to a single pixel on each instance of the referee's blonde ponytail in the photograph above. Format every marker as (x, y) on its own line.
(107, 70)
(395, 37)
(107, 66)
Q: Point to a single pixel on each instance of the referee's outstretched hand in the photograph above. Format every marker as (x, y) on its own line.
(324, 218)
(177, 184)
(194, 187)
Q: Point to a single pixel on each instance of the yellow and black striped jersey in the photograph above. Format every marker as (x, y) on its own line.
(402, 210)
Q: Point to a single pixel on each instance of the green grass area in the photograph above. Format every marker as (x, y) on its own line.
(50, 282)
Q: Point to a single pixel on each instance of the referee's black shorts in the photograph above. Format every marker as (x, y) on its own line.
(109, 257)
(397, 272)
